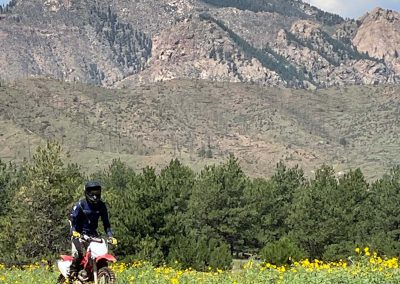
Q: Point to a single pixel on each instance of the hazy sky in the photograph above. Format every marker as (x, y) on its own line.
(345, 8)
(353, 8)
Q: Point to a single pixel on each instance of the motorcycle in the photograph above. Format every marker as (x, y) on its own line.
(94, 264)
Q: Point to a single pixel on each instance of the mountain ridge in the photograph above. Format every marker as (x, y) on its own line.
(110, 43)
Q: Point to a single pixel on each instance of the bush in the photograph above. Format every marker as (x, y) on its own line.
(149, 250)
(220, 255)
(336, 252)
(385, 244)
(199, 253)
(281, 252)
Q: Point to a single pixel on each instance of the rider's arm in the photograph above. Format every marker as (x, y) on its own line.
(106, 221)
(74, 216)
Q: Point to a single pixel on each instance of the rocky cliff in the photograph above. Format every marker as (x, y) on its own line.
(119, 42)
(379, 36)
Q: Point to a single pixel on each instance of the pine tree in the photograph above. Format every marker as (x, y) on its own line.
(272, 200)
(41, 205)
(311, 224)
(385, 222)
(217, 206)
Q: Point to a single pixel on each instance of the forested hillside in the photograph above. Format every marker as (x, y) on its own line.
(290, 8)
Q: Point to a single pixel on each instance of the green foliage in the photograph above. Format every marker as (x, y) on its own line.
(203, 153)
(128, 45)
(330, 211)
(339, 251)
(199, 253)
(354, 209)
(217, 205)
(175, 183)
(220, 255)
(311, 224)
(385, 197)
(149, 250)
(7, 172)
(272, 200)
(337, 54)
(200, 220)
(287, 8)
(147, 205)
(8, 183)
(41, 203)
(120, 184)
(281, 252)
(268, 58)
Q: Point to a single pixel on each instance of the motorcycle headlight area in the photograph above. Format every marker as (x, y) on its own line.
(98, 249)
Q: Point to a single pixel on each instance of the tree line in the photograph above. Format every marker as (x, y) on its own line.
(6, 8)
(283, 7)
(200, 220)
(267, 57)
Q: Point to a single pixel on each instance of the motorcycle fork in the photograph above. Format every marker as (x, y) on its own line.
(95, 271)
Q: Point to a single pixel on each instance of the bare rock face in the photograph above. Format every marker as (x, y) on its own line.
(257, 28)
(327, 61)
(379, 35)
(306, 29)
(198, 49)
(154, 16)
(346, 31)
(56, 5)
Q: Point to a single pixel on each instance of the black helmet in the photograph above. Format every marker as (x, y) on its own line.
(93, 191)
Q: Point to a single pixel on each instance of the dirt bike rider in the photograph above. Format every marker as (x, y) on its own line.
(84, 221)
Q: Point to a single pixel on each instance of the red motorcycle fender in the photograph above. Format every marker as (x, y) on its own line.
(107, 257)
(67, 257)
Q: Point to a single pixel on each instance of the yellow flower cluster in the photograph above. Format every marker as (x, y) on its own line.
(366, 265)
(369, 261)
(315, 265)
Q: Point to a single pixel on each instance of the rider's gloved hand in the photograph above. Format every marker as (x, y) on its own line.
(112, 241)
(75, 234)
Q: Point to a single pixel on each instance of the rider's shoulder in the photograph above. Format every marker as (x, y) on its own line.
(81, 203)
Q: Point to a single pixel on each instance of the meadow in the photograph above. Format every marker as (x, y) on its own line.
(363, 267)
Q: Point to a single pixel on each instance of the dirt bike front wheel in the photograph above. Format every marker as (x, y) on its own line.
(61, 280)
(106, 276)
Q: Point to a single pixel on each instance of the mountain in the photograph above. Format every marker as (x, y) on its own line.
(148, 81)
(122, 43)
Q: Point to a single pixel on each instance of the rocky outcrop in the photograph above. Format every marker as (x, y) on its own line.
(327, 61)
(198, 49)
(346, 31)
(56, 5)
(379, 36)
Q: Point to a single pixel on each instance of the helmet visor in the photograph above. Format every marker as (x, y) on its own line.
(94, 195)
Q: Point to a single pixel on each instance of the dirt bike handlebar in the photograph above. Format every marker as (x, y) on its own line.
(89, 239)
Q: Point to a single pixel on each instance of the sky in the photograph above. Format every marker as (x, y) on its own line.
(353, 8)
(345, 8)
